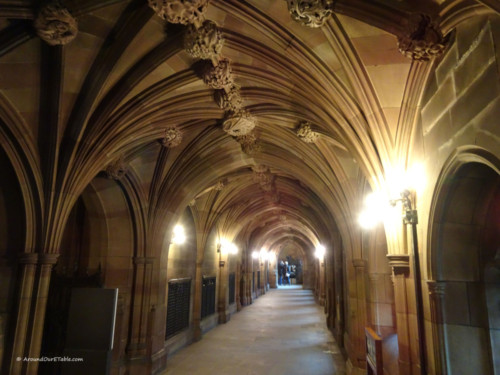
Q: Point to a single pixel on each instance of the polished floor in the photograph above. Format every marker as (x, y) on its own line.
(281, 333)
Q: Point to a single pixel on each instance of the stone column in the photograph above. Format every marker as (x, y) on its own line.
(244, 285)
(27, 266)
(136, 346)
(262, 269)
(361, 316)
(237, 279)
(322, 285)
(273, 283)
(436, 294)
(249, 278)
(45, 262)
(197, 303)
(400, 264)
(222, 296)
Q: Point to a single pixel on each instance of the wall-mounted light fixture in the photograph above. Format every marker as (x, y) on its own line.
(380, 207)
(179, 236)
(225, 247)
(320, 252)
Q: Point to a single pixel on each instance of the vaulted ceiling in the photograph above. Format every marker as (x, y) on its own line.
(126, 83)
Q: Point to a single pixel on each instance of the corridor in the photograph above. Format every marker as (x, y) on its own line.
(282, 332)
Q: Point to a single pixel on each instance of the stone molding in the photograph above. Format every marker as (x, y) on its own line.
(238, 123)
(204, 42)
(55, 25)
(422, 40)
(180, 11)
(311, 13)
(172, 137)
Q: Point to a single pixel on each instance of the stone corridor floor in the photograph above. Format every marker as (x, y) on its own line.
(282, 333)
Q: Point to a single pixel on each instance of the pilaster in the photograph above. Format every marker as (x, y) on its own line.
(27, 264)
(45, 264)
(436, 294)
(222, 295)
(197, 333)
(400, 264)
(137, 344)
(361, 318)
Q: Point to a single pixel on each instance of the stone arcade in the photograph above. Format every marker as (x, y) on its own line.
(256, 129)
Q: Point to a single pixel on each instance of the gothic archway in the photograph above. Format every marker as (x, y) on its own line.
(464, 253)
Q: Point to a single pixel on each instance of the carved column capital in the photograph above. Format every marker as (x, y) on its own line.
(359, 263)
(436, 288)
(139, 260)
(28, 258)
(374, 277)
(400, 263)
(55, 25)
(48, 258)
(422, 39)
(311, 13)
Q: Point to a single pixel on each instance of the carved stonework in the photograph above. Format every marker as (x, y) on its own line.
(117, 169)
(55, 25)
(305, 133)
(219, 76)
(192, 203)
(249, 143)
(229, 99)
(220, 185)
(273, 196)
(180, 11)
(422, 40)
(260, 168)
(204, 42)
(312, 13)
(238, 123)
(263, 176)
(172, 137)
